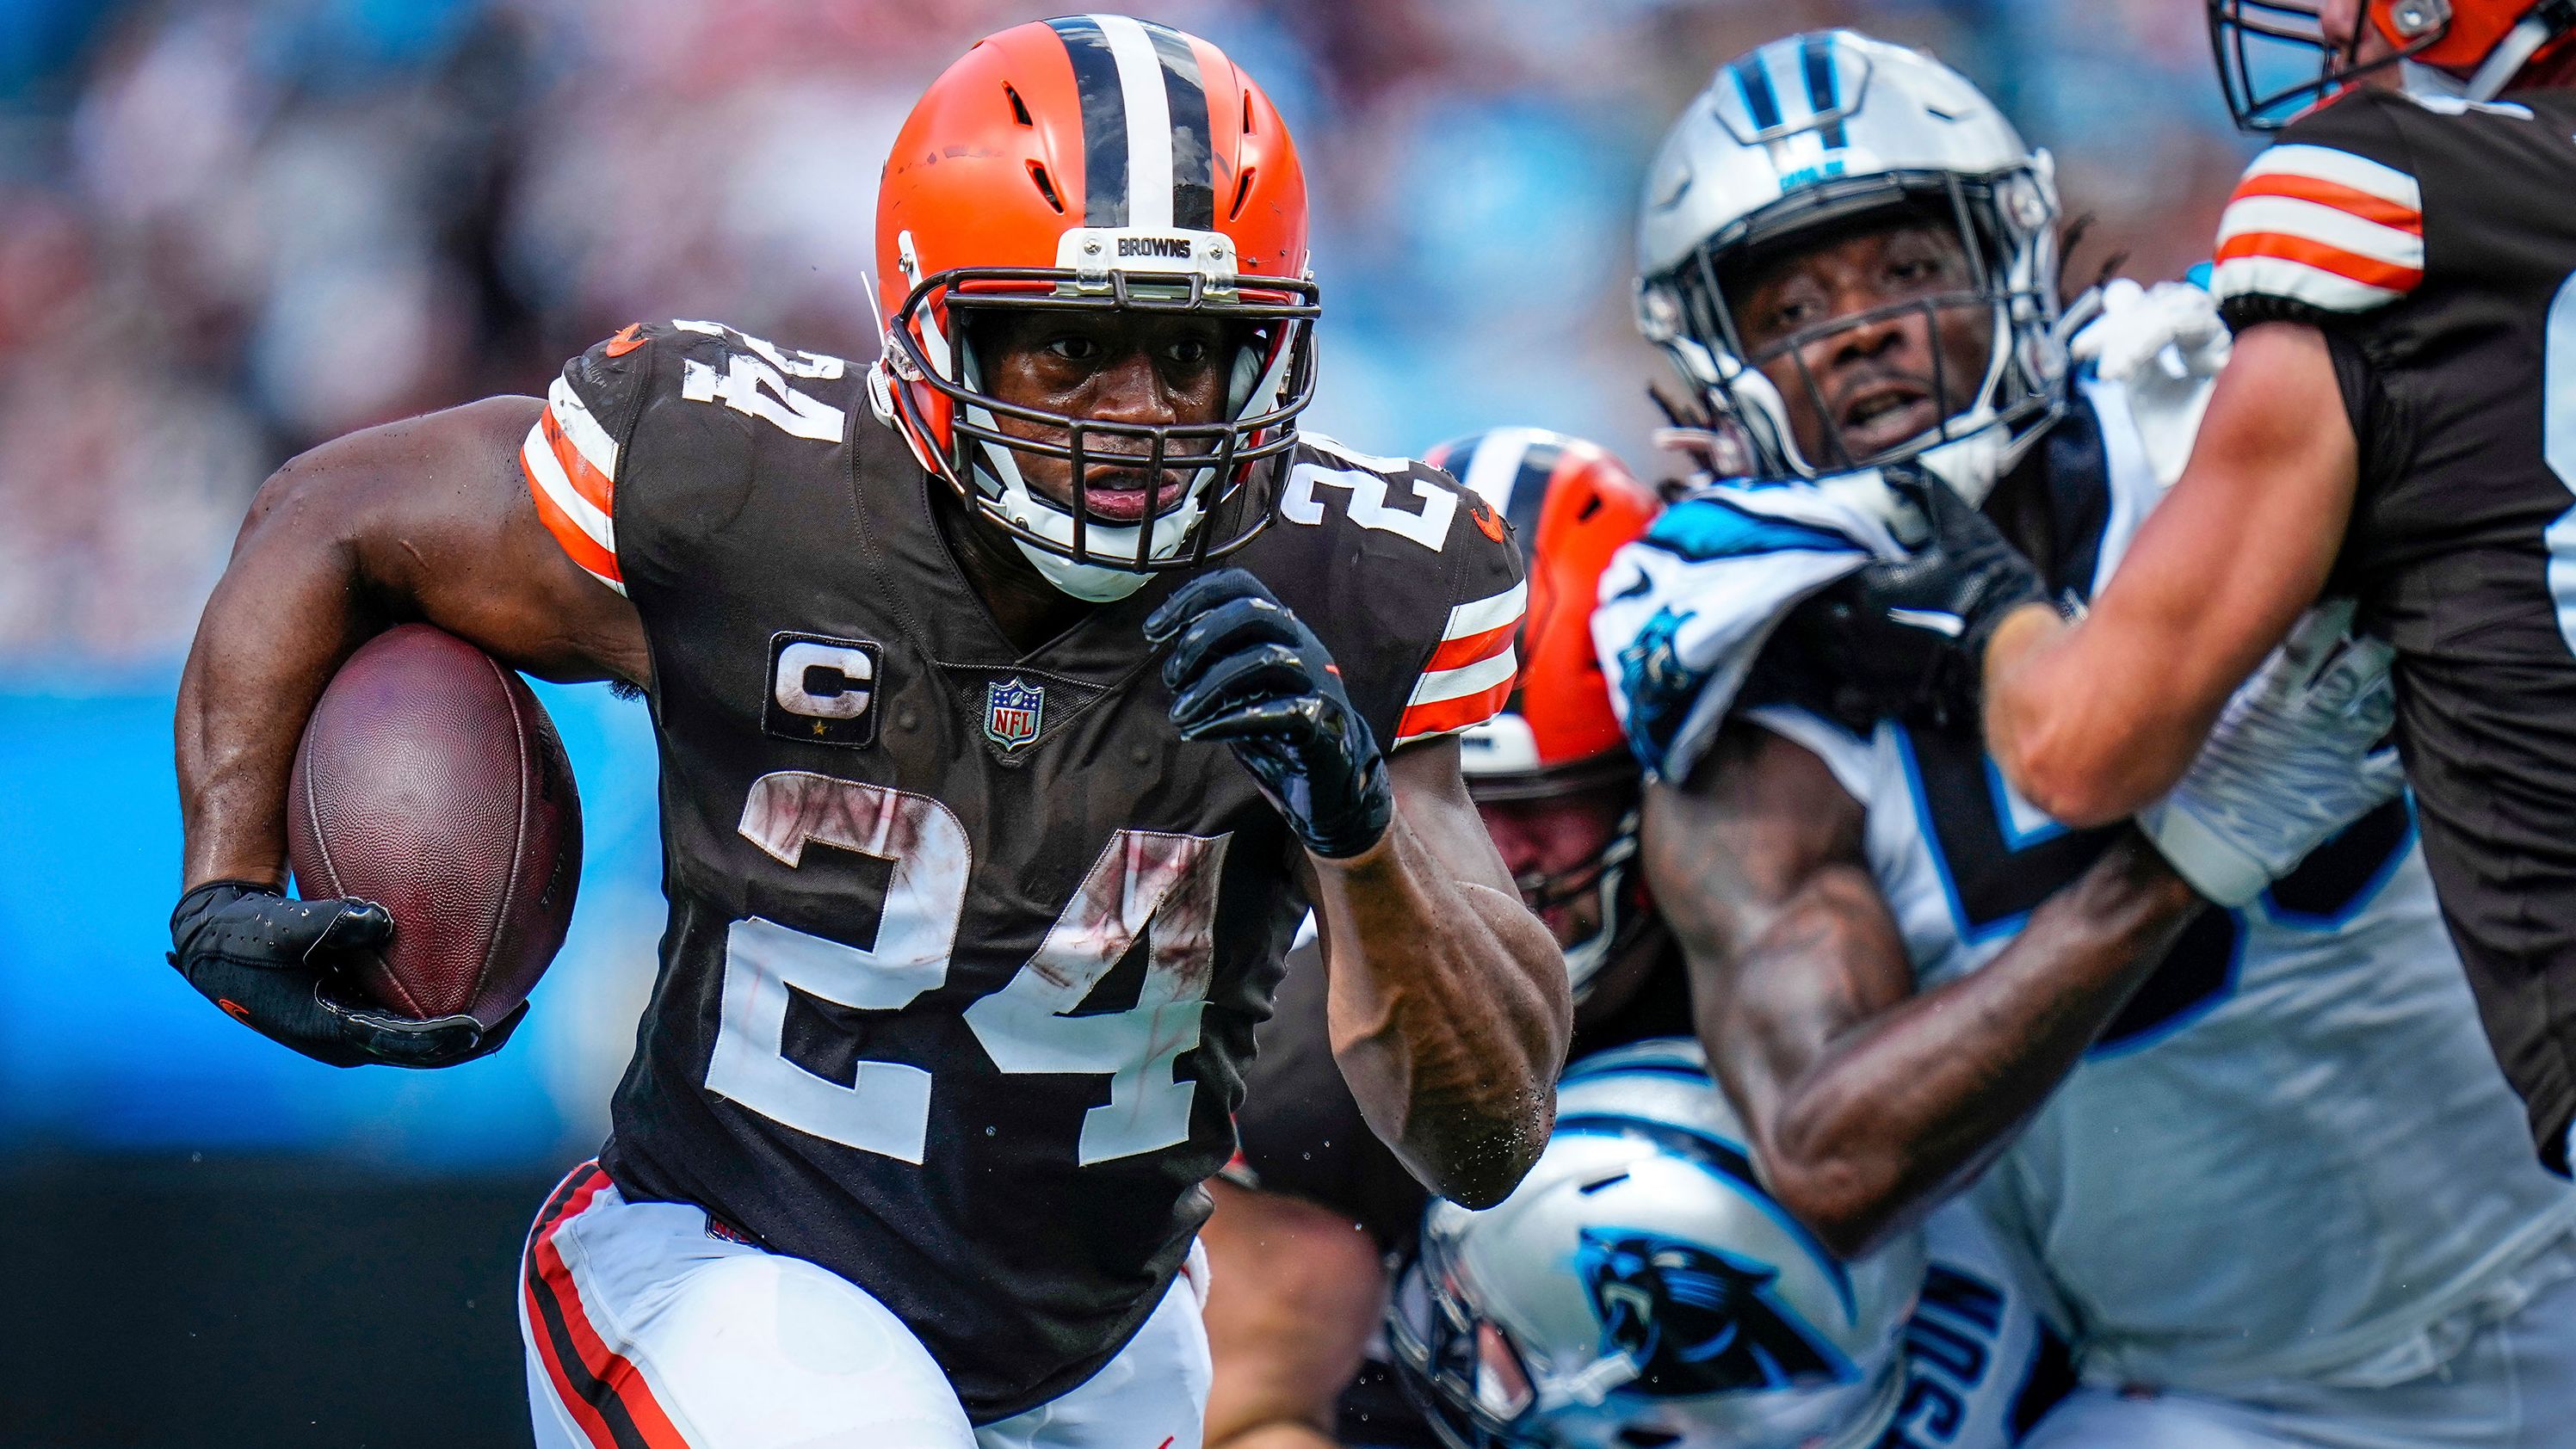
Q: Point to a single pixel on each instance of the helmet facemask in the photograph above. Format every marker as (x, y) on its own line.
(2003, 226)
(2276, 62)
(1231, 467)
(1641, 1286)
(1459, 1369)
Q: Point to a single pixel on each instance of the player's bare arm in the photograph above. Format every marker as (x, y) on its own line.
(1450, 1011)
(1867, 1102)
(428, 519)
(1291, 1334)
(2092, 720)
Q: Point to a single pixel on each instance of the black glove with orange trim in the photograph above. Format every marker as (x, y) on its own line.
(1245, 670)
(268, 961)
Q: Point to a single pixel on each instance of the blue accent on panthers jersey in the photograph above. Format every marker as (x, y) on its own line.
(1659, 689)
(1705, 527)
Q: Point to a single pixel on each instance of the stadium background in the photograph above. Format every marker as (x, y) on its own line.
(230, 230)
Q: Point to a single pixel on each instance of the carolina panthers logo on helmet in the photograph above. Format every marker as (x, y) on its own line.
(1697, 1321)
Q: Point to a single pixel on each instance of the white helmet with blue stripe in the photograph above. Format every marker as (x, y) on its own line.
(1640, 1287)
(1809, 134)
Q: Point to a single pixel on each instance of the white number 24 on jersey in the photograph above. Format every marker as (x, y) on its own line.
(1142, 877)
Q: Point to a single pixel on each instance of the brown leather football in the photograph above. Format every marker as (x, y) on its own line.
(430, 781)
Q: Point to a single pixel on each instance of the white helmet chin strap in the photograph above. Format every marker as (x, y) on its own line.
(2509, 57)
(2520, 44)
(1088, 582)
(1983, 450)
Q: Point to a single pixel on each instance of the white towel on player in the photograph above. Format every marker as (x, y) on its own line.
(1685, 610)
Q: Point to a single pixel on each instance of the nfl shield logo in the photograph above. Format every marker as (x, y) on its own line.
(1011, 709)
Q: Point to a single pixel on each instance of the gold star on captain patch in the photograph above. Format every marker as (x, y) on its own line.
(818, 729)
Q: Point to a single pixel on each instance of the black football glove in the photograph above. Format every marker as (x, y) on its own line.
(1246, 671)
(266, 960)
(1912, 633)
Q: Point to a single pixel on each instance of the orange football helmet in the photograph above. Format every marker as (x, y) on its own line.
(2470, 49)
(1571, 504)
(1097, 161)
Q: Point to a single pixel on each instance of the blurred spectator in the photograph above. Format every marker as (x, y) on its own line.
(240, 228)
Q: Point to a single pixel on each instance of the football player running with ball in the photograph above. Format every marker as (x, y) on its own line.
(2398, 424)
(1016, 695)
(2212, 1075)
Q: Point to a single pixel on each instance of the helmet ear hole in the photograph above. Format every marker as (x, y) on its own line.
(1046, 186)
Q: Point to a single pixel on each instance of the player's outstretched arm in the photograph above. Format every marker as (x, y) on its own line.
(1449, 1006)
(1868, 1103)
(2092, 720)
(425, 520)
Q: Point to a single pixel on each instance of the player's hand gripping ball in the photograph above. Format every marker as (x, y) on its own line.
(1245, 670)
(268, 962)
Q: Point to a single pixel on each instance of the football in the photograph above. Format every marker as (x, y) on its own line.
(430, 781)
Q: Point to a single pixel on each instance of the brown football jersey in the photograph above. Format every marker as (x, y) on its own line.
(966, 945)
(2435, 244)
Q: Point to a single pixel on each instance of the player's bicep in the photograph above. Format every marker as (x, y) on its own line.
(447, 529)
(1756, 864)
(2244, 542)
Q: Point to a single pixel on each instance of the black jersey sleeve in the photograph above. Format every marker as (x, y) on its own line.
(643, 433)
(1470, 664)
(571, 456)
(2327, 224)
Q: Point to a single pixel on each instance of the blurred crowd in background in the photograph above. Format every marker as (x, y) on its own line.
(231, 229)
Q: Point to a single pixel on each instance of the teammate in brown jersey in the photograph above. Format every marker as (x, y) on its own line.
(2397, 424)
(1017, 695)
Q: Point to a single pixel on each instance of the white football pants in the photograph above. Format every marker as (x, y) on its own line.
(2511, 1385)
(645, 1329)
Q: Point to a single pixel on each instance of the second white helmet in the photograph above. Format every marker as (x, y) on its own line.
(1640, 1287)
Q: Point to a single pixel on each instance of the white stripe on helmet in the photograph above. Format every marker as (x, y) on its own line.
(1149, 121)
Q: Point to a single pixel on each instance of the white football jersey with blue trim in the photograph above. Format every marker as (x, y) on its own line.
(2293, 1151)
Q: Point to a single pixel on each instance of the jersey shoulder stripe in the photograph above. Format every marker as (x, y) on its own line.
(2321, 227)
(1416, 579)
(571, 466)
(1471, 673)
